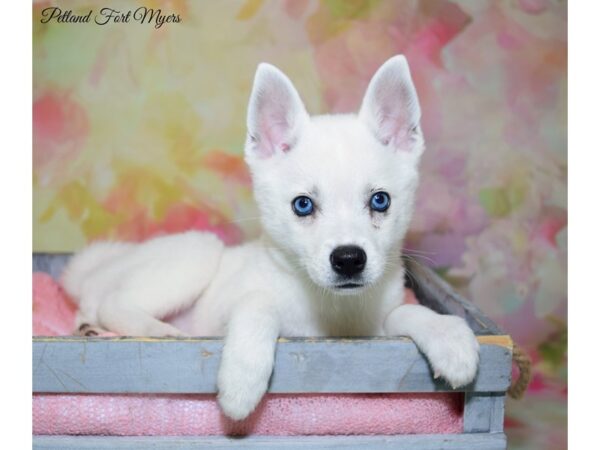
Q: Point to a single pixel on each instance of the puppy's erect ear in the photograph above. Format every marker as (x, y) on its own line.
(276, 113)
(391, 107)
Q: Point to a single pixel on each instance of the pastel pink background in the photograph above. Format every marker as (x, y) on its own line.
(139, 131)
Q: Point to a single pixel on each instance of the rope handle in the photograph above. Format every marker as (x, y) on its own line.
(523, 362)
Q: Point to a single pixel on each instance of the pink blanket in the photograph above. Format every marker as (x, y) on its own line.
(149, 415)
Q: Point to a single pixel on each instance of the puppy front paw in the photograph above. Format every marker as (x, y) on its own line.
(453, 351)
(239, 392)
(238, 405)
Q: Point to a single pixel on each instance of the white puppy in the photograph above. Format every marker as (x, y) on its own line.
(336, 196)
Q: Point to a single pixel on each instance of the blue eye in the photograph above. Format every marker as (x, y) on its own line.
(380, 201)
(302, 206)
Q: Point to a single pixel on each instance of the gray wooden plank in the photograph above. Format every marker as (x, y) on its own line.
(482, 441)
(433, 292)
(497, 413)
(51, 263)
(189, 365)
(484, 412)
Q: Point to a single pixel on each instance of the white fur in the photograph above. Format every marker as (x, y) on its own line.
(283, 283)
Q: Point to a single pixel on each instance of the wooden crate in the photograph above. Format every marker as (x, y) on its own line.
(170, 365)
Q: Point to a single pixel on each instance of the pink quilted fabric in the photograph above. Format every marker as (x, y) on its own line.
(152, 415)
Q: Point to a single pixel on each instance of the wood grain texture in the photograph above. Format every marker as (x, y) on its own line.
(438, 295)
(484, 412)
(50, 263)
(501, 340)
(480, 441)
(188, 365)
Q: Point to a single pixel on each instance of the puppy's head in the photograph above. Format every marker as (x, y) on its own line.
(336, 192)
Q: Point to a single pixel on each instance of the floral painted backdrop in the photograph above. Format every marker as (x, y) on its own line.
(139, 130)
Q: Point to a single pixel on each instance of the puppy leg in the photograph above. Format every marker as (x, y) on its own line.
(153, 280)
(447, 341)
(119, 315)
(248, 356)
(89, 260)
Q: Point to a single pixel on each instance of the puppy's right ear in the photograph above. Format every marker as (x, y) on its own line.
(276, 113)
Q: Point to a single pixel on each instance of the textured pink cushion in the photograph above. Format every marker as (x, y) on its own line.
(149, 415)
(53, 313)
(306, 414)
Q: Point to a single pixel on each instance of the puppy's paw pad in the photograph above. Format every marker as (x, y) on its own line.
(85, 329)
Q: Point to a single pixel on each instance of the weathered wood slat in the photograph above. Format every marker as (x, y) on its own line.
(145, 365)
(438, 295)
(482, 441)
(484, 412)
(50, 263)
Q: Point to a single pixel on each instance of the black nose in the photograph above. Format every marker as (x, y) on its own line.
(348, 260)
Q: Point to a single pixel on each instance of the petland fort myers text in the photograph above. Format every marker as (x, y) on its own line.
(104, 16)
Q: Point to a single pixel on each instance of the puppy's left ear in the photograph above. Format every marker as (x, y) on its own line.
(391, 108)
